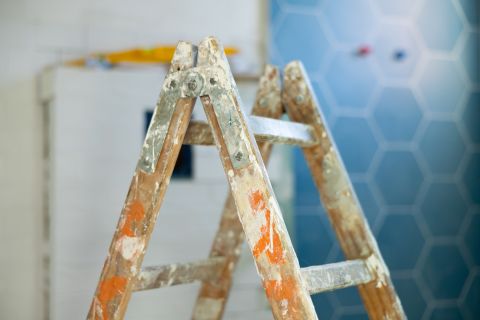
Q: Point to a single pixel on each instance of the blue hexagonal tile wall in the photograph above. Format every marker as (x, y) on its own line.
(439, 24)
(469, 56)
(442, 86)
(396, 8)
(446, 313)
(351, 80)
(471, 177)
(472, 238)
(399, 189)
(411, 93)
(350, 20)
(397, 114)
(471, 117)
(445, 271)
(400, 252)
(356, 143)
(412, 300)
(472, 299)
(314, 236)
(442, 147)
(392, 40)
(471, 9)
(292, 41)
(444, 209)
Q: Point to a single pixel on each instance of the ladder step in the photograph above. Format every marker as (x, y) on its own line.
(334, 276)
(178, 273)
(264, 129)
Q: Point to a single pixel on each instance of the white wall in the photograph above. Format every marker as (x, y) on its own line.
(35, 33)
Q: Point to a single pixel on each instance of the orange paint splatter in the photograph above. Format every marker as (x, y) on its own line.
(134, 213)
(109, 289)
(284, 291)
(269, 241)
(280, 289)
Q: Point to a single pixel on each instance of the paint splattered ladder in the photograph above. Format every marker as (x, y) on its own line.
(251, 209)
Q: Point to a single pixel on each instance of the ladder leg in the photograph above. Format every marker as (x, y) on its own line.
(228, 241)
(338, 197)
(257, 207)
(145, 195)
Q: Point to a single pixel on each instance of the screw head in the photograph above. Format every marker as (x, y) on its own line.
(238, 156)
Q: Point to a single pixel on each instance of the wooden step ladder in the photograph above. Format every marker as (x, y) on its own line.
(251, 209)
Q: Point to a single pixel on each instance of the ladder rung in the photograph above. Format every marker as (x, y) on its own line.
(178, 273)
(334, 276)
(264, 129)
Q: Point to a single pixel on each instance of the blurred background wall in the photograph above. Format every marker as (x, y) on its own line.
(398, 82)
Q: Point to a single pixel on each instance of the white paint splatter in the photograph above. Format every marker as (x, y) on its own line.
(129, 247)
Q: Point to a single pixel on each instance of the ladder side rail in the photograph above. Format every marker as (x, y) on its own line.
(213, 294)
(338, 197)
(145, 195)
(257, 208)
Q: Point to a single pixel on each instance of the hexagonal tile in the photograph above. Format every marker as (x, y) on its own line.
(348, 297)
(304, 3)
(323, 307)
(367, 201)
(397, 114)
(393, 39)
(400, 252)
(442, 85)
(471, 117)
(442, 147)
(471, 177)
(306, 193)
(469, 57)
(471, 8)
(351, 80)
(445, 271)
(396, 8)
(356, 143)
(412, 300)
(446, 313)
(472, 298)
(295, 43)
(354, 316)
(350, 21)
(444, 209)
(399, 178)
(439, 24)
(313, 240)
(472, 238)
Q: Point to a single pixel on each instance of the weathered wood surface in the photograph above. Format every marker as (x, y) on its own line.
(257, 207)
(338, 197)
(334, 276)
(264, 130)
(228, 241)
(179, 273)
(142, 204)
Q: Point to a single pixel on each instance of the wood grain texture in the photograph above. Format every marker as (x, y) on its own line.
(256, 204)
(338, 197)
(230, 236)
(140, 210)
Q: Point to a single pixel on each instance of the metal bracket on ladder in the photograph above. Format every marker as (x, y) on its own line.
(251, 211)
